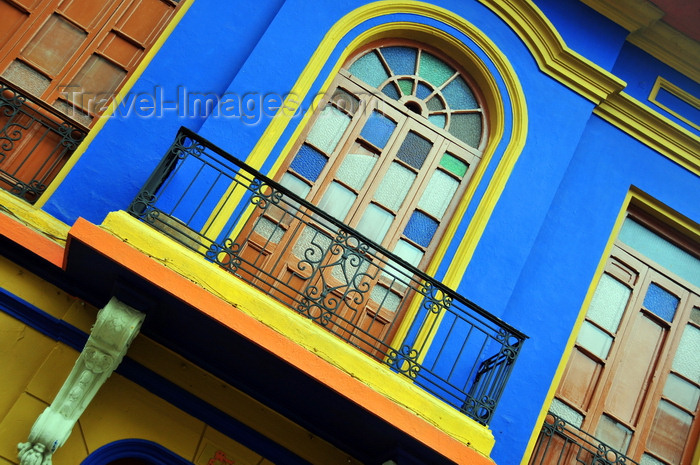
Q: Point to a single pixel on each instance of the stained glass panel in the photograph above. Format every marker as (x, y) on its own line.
(401, 60)
(453, 165)
(420, 228)
(438, 194)
(435, 104)
(394, 186)
(378, 129)
(459, 96)
(414, 150)
(438, 120)
(661, 302)
(434, 70)
(390, 91)
(406, 86)
(369, 69)
(308, 162)
(466, 127)
(423, 91)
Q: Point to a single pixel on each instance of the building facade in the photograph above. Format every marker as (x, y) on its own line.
(392, 232)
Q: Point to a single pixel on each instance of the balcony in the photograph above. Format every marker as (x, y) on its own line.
(561, 443)
(251, 226)
(36, 140)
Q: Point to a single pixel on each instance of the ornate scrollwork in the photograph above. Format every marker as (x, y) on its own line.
(227, 255)
(405, 361)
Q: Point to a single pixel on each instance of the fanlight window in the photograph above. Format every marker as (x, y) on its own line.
(391, 149)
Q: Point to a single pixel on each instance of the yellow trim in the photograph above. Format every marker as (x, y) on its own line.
(33, 217)
(645, 202)
(299, 330)
(186, 4)
(677, 92)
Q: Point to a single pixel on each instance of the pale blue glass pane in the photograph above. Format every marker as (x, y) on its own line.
(295, 185)
(401, 60)
(438, 120)
(337, 201)
(355, 169)
(308, 162)
(394, 186)
(682, 392)
(661, 251)
(414, 150)
(466, 127)
(369, 69)
(609, 302)
(328, 129)
(422, 91)
(375, 223)
(409, 253)
(378, 129)
(595, 340)
(661, 302)
(687, 358)
(459, 96)
(438, 194)
(434, 70)
(420, 228)
(390, 91)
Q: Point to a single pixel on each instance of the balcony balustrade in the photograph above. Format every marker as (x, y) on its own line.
(561, 443)
(36, 140)
(248, 224)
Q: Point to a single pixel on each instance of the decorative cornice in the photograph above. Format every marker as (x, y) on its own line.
(660, 134)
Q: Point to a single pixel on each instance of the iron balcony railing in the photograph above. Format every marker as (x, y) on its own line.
(263, 233)
(561, 443)
(35, 142)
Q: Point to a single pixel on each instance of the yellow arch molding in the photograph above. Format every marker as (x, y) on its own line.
(643, 201)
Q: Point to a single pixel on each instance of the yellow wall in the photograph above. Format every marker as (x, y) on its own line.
(33, 367)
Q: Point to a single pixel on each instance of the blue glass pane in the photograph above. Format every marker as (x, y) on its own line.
(309, 162)
(401, 60)
(378, 129)
(414, 150)
(369, 69)
(420, 228)
(459, 96)
(390, 91)
(422, 91)
(661, 302)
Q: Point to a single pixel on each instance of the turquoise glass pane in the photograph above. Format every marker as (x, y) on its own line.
(438, 120)
(391, 92)
(337, 201)
(394, 186)
(438, 194)
(414, 150)
(401, 60)
(661, 302)
(328, 129)
(375, 223)
(466, 127)
(459, 96)
(661, 251)
(309, 162)
(433, 70)
(406, 86)
(378, 129)
(369, 69)
(422, 91)
(420, 228)
(453, 165)
(435, 104)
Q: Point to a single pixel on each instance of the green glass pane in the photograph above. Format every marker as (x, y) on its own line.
(394, 186)
(435, 104)
(466, 127)
(406, 86)
(328, 129)
(433, 70)
(375, 223)
(414, 150)
(369, 69)
(609, 302)
(453, 165)
(438, 194)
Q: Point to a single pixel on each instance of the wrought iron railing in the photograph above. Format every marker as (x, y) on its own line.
(258, 230)
(561, 443)
(35, 142)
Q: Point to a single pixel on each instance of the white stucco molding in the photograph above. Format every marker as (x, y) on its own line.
(116, 326)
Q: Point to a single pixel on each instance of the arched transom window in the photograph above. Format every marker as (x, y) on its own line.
(392, 146)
